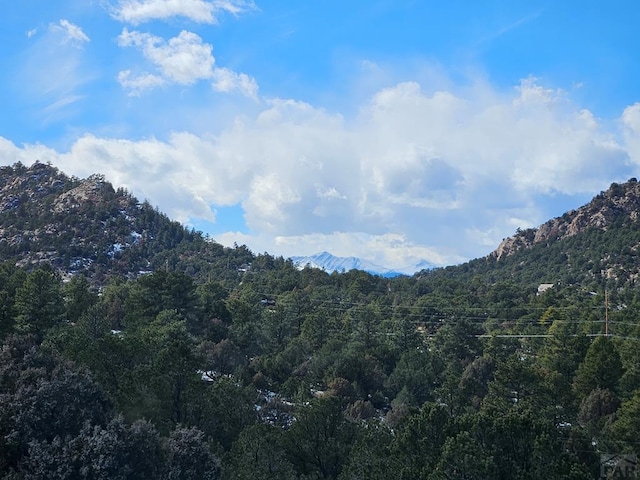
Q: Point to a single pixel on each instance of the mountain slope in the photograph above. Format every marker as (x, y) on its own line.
(595, 245)
(619, 206)
(85, 226)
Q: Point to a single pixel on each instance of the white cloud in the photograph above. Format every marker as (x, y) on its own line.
(138, 84)
(385, 250)
(62, 103)
(631, 126)
(71, 33)
(329, 192)
(631, 118)
(183, 59)
(234, 7)
(440, 175)
(225, 80)
(200, 11)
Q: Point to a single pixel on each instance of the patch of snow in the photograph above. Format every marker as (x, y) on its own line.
(209, 375)
(115, 249)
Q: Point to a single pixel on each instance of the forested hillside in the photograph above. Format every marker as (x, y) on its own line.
(208, 362)
(85, 226)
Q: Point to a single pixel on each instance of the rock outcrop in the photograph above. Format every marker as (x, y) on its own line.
(619, 204)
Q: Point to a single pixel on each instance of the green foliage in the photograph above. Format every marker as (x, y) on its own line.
(601, 368)
(518, 384)
(190, 458)
(414, 373)
(117, 451)
(42, 398)
(624, 430)
(79, 297)
(259, 454)
(224, 410)
(38, 301)
(372, 455)
(319, 442)
(157, 292)
(420, 440)
(167, 355)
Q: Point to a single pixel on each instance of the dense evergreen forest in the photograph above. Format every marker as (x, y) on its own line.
(133, 348)
(287, 373)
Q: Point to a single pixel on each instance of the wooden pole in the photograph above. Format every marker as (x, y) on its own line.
(606, 313)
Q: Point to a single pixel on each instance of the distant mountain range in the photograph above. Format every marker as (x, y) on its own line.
(85, 226)
(330, 263)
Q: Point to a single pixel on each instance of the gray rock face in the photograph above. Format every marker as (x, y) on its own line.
(619, 204)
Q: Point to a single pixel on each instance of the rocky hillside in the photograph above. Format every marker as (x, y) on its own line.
(85, 225)
(596, 246)
(619, 205)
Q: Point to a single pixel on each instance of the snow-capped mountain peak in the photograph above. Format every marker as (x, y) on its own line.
(330, 263)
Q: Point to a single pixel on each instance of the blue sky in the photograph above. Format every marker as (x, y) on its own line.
(391, 130)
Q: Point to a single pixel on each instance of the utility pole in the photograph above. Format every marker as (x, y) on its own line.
(606, 313)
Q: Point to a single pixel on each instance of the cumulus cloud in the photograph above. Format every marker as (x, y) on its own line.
(631, 124)
(139, 11)
(181, 60)
(416, 174)
(225, 80)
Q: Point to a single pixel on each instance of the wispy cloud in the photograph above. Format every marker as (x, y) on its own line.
(136, 12)
(234, 7)
(139, 84)
(70, 32)
(53, 71)
(510, 27)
